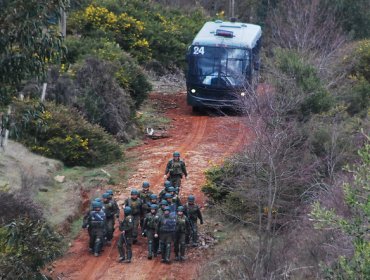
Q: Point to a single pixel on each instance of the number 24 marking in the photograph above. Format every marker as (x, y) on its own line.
(198, 50)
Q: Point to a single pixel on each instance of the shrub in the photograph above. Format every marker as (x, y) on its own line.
(19, 205)
(144, 29)
(103, 101)
(125, 29)
(292, 67)
(61, 133)
(359, 98)
(362, 54)
(128, 74)
(25, 247)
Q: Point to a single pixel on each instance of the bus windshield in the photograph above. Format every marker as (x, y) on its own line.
(218, 66)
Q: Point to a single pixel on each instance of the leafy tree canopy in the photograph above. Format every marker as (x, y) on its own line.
(29, 39)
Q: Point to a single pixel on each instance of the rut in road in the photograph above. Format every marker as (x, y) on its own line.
(202, 141)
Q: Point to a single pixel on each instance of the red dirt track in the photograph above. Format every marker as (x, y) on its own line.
(202, 140)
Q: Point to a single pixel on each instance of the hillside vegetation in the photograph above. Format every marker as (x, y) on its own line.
(300, 187)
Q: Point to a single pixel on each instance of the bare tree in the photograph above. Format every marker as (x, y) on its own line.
(308, 27)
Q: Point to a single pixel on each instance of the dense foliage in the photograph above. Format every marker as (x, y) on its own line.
(61, 133)
(127, 73)
(27, 45)
(145, 30)
(25, 247)
(357, 198)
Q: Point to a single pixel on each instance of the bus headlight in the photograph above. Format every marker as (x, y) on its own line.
(193, 90)
(242, 94)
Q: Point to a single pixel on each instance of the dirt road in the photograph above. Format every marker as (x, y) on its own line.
(202, 140)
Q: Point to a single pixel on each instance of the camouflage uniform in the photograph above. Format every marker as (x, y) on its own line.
(192, 211)
(182, 227)
(167, 229)
(126, 238)
(145, 198)
(136, 206)
(176, 169)
(150, 228)
(110, 211)
(96, 223)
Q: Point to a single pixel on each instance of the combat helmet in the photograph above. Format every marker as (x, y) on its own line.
(134, 192)
(96, 204)
(127, 210)
(153, 196)
(191, 198)
(164, 202)
(154, 206)
(167, 195)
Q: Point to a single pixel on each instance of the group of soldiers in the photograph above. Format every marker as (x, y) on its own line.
(162, 218)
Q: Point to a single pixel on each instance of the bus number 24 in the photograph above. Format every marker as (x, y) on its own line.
(198, 50)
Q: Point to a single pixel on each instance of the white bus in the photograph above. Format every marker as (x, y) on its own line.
(223, 62)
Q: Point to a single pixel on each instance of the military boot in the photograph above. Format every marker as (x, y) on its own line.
(182, 252)
(129, 256)
(168, 253)
(150, 250)
(163, 251)
(97, 246)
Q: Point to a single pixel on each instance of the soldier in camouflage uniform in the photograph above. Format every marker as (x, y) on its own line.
(125, 239)
(166, 229)
(109, 211)
(167, 185)
(160, 213)
(144, 195)
(182, 227)
(175, 170)
(192, 211)
(153, 199)
(136, 209)
(96, 224)
(150, 229)
(114, 202)
(170, 203)
(175, 198)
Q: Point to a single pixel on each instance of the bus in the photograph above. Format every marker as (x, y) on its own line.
(223, 63)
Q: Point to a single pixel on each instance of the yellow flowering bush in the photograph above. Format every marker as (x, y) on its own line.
(126, 30)
(61, 133)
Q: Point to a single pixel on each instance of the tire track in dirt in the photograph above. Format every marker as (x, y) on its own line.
(195, 137)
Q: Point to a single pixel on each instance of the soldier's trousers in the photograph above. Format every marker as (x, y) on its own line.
(152, 243)
(175, 181)
(110, 228)
(96, 239)
(166, 239)
(192, 236)
(125, 245)
(180, 244)
(135, 230)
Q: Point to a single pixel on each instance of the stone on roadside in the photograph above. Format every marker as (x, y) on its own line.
(59, 178)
